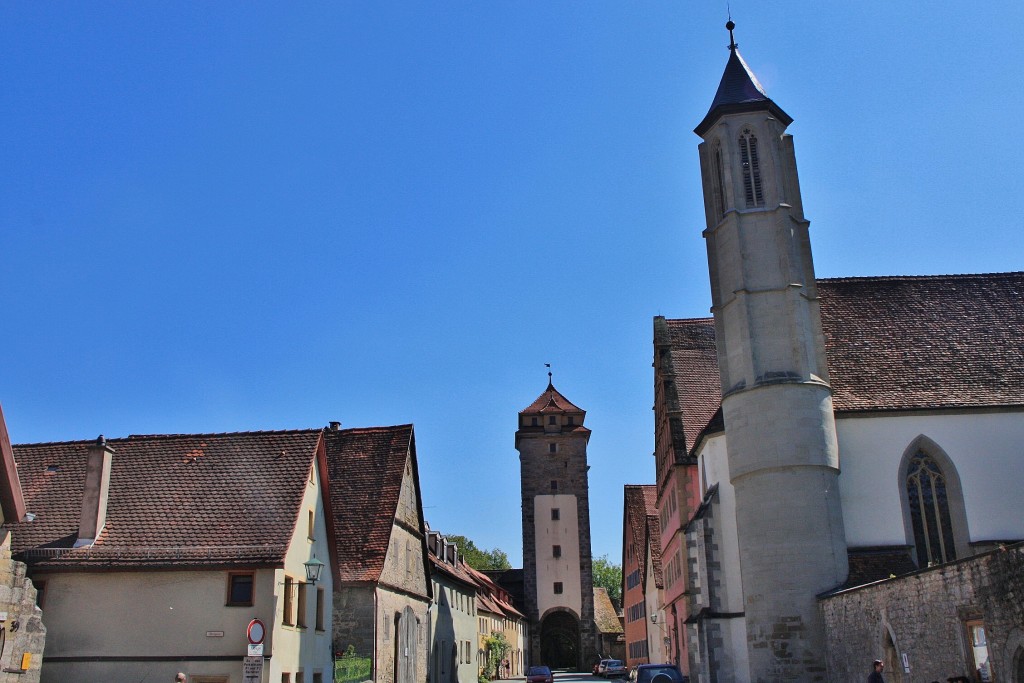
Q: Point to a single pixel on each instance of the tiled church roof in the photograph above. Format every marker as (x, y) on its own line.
(604, 612)
(174, 500)
(893, 343)
(365, 469)
(641, 511)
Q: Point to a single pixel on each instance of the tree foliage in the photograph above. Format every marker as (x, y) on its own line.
(608, 575)
(497, 648)
(478, 558)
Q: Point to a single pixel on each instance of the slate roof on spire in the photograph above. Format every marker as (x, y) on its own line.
(551, 401)
(739, 91)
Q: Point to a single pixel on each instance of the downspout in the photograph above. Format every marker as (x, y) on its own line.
(376, 621)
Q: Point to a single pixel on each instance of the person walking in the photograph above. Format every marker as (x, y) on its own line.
(180, 678)
(876, 675)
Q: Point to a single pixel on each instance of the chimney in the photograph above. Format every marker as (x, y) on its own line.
(335, 426)
(94, 498)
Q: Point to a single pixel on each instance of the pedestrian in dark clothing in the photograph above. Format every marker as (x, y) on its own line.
(876, 675)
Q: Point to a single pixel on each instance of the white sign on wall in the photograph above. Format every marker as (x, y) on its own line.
(252, 669)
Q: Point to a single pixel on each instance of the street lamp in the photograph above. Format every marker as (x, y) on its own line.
(313, 569)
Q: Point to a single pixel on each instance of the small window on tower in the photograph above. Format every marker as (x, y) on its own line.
(570, 421)
(556, 550)
(558, 587)
(555, 514)
(552, 420)
(533, 422)
(554, 485)
(552, 448)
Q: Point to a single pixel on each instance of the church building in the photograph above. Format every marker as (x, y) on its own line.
(817, 437)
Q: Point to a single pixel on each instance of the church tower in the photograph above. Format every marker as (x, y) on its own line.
(557, 570)
(777, 403)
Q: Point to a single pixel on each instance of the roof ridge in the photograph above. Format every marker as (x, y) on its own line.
(902, 278)
(131, 437)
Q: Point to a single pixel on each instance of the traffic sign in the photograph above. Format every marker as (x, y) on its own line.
(256, 631)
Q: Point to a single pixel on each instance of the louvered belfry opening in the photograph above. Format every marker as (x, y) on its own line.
(753, 192)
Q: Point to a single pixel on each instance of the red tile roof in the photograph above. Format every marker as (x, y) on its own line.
(605, 618)
(641, 504)
(893, 343)
(653, 532)
(365, 469)
(551, 401)
(174, 500)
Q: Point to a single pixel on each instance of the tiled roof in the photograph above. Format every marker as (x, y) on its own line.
(893, 343)
(691, 367)
(653, 533)
(174, 500)
(868, 565)
(640, 499)
(365, 469)
(604, 612)
(551, 401)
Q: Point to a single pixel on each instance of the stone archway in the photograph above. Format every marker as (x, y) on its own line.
(560, 640)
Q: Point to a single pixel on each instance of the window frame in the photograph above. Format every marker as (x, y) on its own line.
(288, 603)
(232, 576)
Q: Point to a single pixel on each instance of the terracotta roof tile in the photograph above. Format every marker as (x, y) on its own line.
(653, 532)
(893, 343)
(365, 469)
(174, 500)
(604, 612)
(551, 401)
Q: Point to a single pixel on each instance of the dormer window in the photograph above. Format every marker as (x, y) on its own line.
(752, 189)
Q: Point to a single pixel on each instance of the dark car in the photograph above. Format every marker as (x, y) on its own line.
(664, 673)
(539, 674)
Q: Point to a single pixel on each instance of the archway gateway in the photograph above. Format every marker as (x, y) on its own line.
(560, 641)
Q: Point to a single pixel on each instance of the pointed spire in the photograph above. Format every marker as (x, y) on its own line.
(739, 90)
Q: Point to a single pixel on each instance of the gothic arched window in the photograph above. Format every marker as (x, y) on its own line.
(928, 500)
(719, 179)
(752, 189)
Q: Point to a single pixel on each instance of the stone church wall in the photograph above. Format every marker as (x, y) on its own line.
(22, 623)
(924, 614)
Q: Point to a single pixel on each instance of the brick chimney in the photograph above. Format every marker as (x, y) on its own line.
(94, 497)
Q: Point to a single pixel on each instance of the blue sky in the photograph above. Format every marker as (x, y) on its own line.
(233, 216)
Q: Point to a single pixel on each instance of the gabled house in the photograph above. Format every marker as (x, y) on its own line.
(382, 581)
(153, 554)
(452, 636)
(641, 579)
(496, 614)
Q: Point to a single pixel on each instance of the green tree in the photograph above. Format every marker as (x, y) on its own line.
(497, 648)
(478, 558)
(608, 576)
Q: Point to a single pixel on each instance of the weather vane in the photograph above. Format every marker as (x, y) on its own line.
(548, 366)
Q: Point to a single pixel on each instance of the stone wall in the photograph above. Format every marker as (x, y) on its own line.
(22, 623)
(354, 618)
(923, 615)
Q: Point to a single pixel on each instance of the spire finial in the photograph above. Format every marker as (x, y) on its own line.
(548, 365)
(729, 25)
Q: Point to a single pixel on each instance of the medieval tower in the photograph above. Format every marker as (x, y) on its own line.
(777, 402)
(557, 572)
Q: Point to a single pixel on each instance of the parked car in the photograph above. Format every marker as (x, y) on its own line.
(600, 667)
(665, 673)
(539, 674)
(615, 668)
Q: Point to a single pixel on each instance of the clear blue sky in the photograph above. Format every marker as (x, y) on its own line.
(232, 216)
